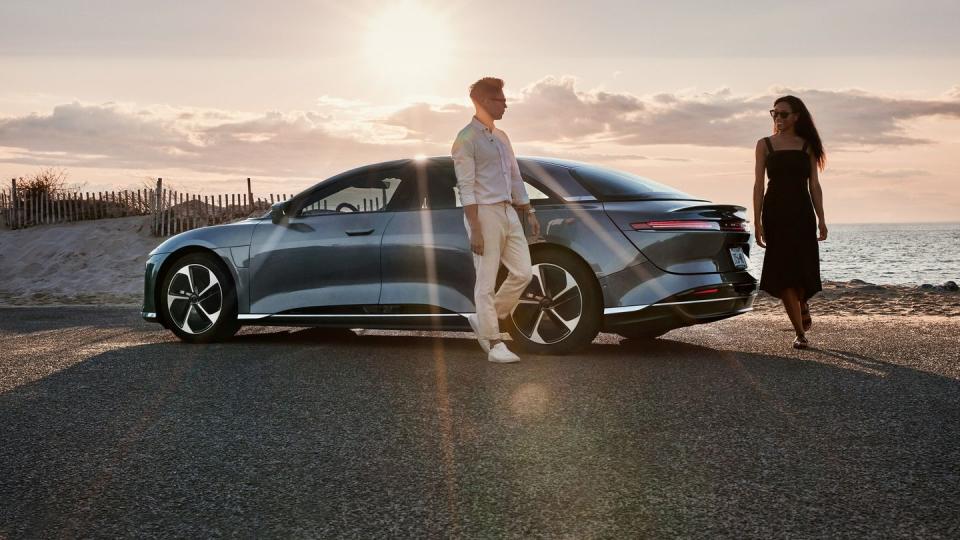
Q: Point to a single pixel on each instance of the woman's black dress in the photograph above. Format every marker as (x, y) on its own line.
(792, 258)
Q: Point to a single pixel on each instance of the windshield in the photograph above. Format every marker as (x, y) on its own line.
(613, 185)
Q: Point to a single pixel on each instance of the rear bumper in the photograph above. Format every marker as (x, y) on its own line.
(677, 313)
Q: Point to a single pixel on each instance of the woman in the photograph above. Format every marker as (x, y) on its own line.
(784, 217)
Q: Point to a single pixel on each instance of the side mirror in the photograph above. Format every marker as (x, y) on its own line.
(278, 213)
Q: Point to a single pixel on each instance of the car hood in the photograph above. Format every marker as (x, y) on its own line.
(216, 236)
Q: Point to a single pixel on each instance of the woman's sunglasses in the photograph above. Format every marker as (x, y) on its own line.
(781, 114)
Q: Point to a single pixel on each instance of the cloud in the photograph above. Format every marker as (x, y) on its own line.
(80, 129)
(551, 116)
(554, 111)
(429, 123)
(112, 135)
(579, 154)
(881, 173)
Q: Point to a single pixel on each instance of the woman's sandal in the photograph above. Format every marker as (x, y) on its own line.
(805, 317)
(801, 342)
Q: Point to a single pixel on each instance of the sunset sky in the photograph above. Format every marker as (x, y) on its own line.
(208, 92)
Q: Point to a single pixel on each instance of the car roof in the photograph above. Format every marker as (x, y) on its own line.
(525, 162)
(447, 160)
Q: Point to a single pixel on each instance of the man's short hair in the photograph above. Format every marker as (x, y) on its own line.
(485, 87)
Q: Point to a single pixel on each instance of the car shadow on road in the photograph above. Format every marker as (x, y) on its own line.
(454, 341)
(330, 433)
(607, 348)
(854, 358)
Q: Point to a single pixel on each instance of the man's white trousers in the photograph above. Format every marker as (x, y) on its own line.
(503, 242)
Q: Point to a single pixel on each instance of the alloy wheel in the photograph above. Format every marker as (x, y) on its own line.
(194, 299)
(550, 308)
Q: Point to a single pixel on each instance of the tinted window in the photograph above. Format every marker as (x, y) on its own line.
(613, 185)
(442, 192)
(370, 192)
(441, 187)
(535, 194)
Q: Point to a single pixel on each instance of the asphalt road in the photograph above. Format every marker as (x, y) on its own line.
(109, 427)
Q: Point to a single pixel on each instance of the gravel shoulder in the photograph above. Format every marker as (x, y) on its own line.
(109, 427)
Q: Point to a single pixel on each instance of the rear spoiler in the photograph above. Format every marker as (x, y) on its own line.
(721, 207)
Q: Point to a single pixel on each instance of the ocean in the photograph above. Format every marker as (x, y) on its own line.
(886, 254)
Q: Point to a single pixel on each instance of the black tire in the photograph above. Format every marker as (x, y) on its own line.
(198, 301)
(569, 319)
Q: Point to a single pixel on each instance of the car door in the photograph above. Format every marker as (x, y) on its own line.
(425, 252)
(327, 253)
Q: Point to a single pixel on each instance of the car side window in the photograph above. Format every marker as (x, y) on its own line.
(368, 192)
(441, 188)
(535, 194)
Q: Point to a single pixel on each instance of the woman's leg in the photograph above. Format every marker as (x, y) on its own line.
(805, 317)
(791, 303)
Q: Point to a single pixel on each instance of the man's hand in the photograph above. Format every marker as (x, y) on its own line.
(476, 240)
(534, 225)
(472, 215)
(524, 210)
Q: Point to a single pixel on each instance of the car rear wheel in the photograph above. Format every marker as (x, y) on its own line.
(559, 312)
(198, 301)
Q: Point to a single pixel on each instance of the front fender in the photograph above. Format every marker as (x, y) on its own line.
(215, 237)
(230, 242)
(158, 264)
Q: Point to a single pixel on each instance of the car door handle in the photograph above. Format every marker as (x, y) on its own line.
(359, 232)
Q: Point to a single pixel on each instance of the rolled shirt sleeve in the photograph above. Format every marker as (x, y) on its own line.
(465, 168)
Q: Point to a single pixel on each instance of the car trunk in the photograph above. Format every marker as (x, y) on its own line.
(685, 236)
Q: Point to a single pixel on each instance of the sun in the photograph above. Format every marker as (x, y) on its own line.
(408, 41)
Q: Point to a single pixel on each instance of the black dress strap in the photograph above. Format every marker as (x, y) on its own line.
(804, 149)
(769, 144)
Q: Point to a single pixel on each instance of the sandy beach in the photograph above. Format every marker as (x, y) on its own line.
(88, 262)
(101, 262)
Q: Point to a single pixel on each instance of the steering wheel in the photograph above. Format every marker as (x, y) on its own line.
(347, 206)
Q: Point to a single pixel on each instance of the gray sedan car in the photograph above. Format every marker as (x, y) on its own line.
(384, 246)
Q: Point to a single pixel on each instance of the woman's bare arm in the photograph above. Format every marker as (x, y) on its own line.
(759, 172)
(816, 193)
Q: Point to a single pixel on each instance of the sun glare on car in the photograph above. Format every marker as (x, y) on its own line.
(409, 42)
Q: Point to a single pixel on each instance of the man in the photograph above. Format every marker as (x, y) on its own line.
(493, 194)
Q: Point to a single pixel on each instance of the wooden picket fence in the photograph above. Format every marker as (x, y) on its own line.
(170, 211)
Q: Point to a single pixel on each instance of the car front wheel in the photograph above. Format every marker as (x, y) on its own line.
(198, 301)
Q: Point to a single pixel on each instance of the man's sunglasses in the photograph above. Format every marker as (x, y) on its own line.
(781, 114)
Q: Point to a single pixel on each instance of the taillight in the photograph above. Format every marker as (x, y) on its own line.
(734, 226)
(676, 225)
(709, 291)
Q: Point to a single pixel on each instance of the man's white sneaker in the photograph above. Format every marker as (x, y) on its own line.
(475, 324)
(500, 354)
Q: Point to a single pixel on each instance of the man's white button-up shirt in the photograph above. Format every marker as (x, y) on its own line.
(486, 167)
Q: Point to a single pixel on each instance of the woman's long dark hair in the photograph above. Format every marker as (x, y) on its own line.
(805, 128)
